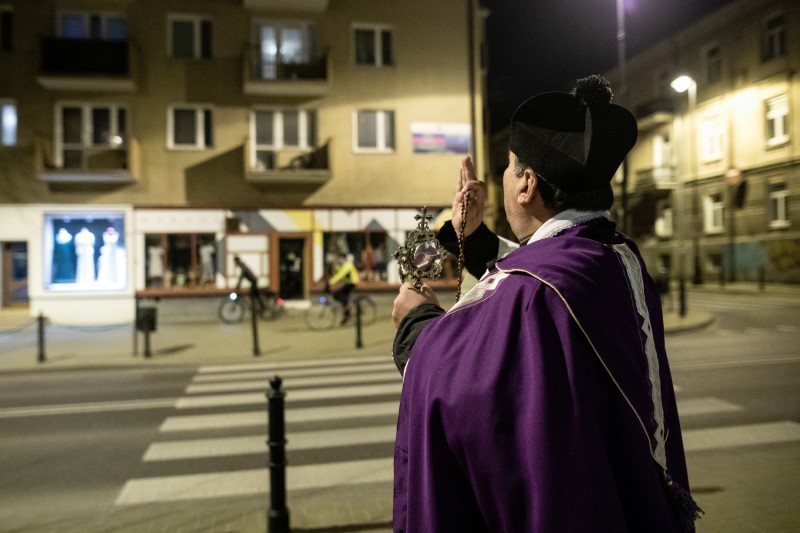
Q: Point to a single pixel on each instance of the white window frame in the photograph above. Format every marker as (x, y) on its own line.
(278, 131)
(8, 124)
(712, 64)
(714, 213)
(664, 218)
(380, 132)
(200, 126)
(86, 142)
(774, 43)
(712, 138)
(776, 111)
(87, 15)
(377, 43)
(780, 199)
(197, 38)
(305, 27)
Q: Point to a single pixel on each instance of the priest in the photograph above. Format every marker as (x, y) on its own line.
(543, 401)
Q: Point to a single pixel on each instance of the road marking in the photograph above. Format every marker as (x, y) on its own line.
(284, 374)
(705, 406)
(244, 482)
(325, 363)
(745, 435)
(258, 384)
(83, 408)
(259, 418)
(302, 440)
(326, 393)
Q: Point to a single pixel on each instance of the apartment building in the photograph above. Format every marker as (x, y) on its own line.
(146, 142)
(714, 180)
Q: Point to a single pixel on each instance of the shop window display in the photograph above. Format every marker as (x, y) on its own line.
(85, 252)
(180, 260)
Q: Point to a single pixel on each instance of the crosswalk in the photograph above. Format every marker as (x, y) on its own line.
(331, 406)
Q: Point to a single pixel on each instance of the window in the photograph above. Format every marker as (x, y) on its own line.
(373, 45)
(777, 116)
(778, 208)
(189, 37)
(85, 25)
(774, 44)
(85, 251)
(276, 129)
(282, 43)
(662, 151)
(8, 122)
(374, 131)
(88, 136)
(663, 225)
(711, 139)
(6, 36)
(713, 63)
(190, 127)
(180, 260)
(713, 211)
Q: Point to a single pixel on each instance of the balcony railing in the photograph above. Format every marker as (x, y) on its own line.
(654, 113)
(656, 179)
(271, 76)
(287, 166)
(89, 165)
(87, 64)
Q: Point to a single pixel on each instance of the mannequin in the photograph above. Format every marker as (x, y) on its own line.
(84, 249)
(111, 265)
(207, 261)
(155, 265)
(63, 257)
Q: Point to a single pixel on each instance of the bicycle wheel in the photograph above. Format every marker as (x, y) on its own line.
(321, 315)
(272, 308)
(231, 310)
(369, 311)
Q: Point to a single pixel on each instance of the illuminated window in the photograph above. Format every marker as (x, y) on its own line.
(711, 139)
(373, 45)
(663, 225)
(778, 206)
(282, 43)
(190, 127)
(189, 37)
(8, 122)
(85, 25)
(777, 117)
(713, 213)
(374, 131)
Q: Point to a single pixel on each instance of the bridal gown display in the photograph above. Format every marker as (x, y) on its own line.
(111, 264)
(84, 249)
(63, 258)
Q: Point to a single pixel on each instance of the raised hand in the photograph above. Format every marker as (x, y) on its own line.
(475, 191)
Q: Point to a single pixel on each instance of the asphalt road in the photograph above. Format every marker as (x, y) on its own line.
(181, 448)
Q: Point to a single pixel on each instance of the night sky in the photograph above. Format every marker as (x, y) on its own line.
(543, 45)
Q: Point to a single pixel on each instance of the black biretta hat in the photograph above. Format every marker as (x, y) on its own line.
(577, 140)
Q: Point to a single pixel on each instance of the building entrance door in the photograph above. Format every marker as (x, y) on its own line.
(15, 274)
(292, 267)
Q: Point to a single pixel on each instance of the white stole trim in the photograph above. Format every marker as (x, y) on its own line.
(634, 273)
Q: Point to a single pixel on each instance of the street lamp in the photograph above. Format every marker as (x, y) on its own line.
(684, 84)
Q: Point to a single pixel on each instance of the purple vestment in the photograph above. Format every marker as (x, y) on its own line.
(543, 402)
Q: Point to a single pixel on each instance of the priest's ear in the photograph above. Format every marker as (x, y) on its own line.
(527, 187)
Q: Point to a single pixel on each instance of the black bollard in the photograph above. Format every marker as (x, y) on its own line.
(254, 323)
(682, 297)
(762, 278)
(359, 341)
(40, 337)
(148, 352)
(278, 513)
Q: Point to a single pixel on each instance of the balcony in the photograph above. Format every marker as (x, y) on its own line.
(270, 78)
(287, 167)
(96, 165)
(654, 113)
(304, 6)
(654, 180)
(87, 65)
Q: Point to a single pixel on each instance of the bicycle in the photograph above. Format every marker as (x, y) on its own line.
(234, 306)
(325, 312)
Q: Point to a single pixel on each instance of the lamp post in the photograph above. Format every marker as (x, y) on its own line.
(687, 84)
(623, 89)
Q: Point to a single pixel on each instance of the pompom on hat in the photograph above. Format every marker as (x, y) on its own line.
(577, 140)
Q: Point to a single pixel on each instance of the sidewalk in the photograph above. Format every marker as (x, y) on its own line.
(190, 333)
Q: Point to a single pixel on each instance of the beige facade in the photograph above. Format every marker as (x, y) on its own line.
(237, 107)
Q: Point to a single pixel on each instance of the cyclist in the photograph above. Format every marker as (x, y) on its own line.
(247, 274)
(347, 274)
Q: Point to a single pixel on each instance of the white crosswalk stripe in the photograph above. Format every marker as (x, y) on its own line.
(200, 437)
